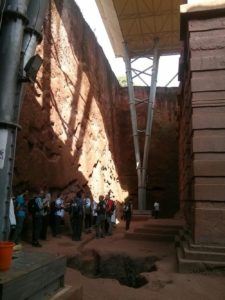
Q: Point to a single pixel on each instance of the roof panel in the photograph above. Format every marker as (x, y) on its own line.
(140, 22)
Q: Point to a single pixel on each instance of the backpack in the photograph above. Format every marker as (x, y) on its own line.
(52, 207)
(101, 208)
(110, 207)
(76, 208)
(127, 208)
(32, 206)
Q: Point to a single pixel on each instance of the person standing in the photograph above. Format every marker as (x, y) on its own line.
(127, 212)
(76, 216)
(87, 213)
(94, 212)
(37, 215)
(156, 209)
(109, 211)
(12, 223)
(46, 214)
(58, 215)
(113, 217)
(101, 217)
(20, 213)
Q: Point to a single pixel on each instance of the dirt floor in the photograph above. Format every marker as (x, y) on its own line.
(163, 283)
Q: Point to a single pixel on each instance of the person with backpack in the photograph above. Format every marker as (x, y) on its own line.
(37, 209)
(87, 213)
(46, 215)
(109, 212)
(127, 212)
(20, 214)
(76, 216)
(52, 211)
(101, 217)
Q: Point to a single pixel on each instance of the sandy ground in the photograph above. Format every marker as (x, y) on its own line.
(164, 283)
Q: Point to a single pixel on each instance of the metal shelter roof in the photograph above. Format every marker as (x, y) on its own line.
(139, 22)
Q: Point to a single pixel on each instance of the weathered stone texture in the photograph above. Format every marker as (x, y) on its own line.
(67, 140)
(76, 130)
(209, 224)
(204, 185)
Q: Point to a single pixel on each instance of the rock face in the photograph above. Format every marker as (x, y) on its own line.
(76, 130)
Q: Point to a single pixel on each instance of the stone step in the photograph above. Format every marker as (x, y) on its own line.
(69, 293)
(197, 266)
(202, 255)
(140, 217)
(149, 236)
(184, 236)
(207, 248)
(32, 276)
(163, 226)
(156, 230)
(144, 215)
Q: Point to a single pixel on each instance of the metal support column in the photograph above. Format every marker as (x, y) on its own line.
(148, 130)
(133, 101)
(12, 41)
(133, 115)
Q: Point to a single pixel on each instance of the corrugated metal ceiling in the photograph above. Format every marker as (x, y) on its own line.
(139, 22)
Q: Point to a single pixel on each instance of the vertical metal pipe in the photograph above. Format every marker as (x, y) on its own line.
(133, 115)
(11, 37)
(32, 35)
(16, 48)
(151, 104)
(36, 13)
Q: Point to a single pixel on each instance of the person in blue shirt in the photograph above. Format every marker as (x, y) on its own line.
(20, 213)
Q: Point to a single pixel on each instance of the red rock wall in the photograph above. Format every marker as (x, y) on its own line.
(76, 131)
(202, 130)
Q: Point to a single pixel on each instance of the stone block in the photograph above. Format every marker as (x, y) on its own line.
(208, 180)
(207, 43)
(209, 168)
(208, 81)
(208, 96)
(207, 63)
(206, 34)
(206, 24)
(209, 192)
(211, 143)
(206, 53)
(209, 225)
(208, 121)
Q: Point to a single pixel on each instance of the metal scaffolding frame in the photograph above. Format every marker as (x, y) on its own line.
(141, 165)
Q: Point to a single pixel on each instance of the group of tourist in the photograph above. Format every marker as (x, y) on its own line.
(85, 215)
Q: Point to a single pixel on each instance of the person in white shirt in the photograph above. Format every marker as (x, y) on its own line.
(87, 213)
(58, 215)
(12, 219)
(156, 209)
(94, 212)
